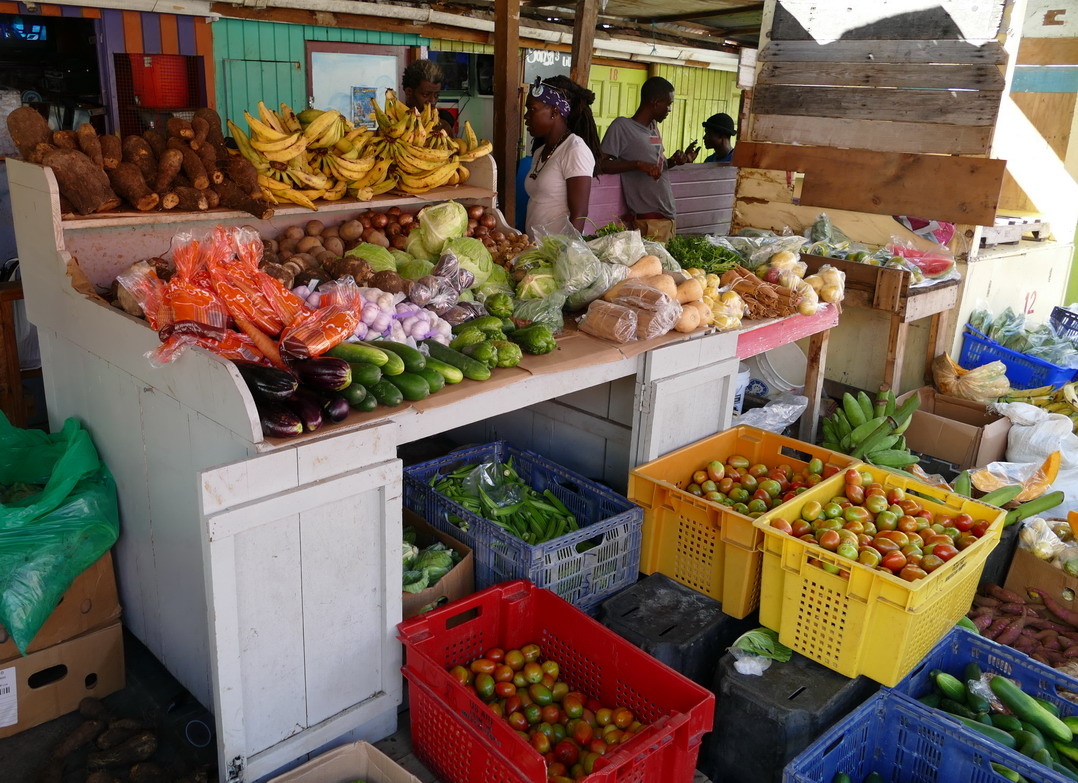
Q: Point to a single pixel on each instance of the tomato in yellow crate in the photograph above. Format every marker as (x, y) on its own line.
(749, 483)
(854, 477)
(869, 556)
(884, 545)
(811, 511)
(716, 470)
(830, 540)
(875, 504)
(832, 510)
(781, 524)
(847, 550)
(699, 477)
(894, 561)
(855, 514)
(930, 563)
(911, 573)
(756, 507)
(771, 487)
(964, 522)
(798, 528)
(907, 524)
(484, 686)
(758, 470)
(855, 494)
(738, 462)
(854, 526)
(461, 675)
(709, 486)
(531, 652)
(694, 489)
(815, 465)
(965, 541)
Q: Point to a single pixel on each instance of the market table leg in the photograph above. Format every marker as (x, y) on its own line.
(817, 361)
(937, 340)
(896, 352)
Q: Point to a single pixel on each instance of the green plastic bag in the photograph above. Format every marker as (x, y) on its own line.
(59, 518)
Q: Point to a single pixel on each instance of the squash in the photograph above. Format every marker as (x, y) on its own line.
(664, 283)
(690, 291)
(706, 316)
(689, 321)
(612, 292)
(646, 266)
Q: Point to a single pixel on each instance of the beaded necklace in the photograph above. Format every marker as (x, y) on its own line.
(548, 152)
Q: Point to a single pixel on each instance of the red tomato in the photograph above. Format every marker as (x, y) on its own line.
(517, 721)
(514, 659)
(963, 522)
(623, 718)
(910, 507)
(855, 494)
(853, 476)
(930, 563)
(944, 551)
(504, 690)
(461, 675)
(551, 669)
(830, 539)
(597, 746)
(896, 494)
(483, 666)
(897, 536)
(965, 540)
(912, 573)
(572, 705)
(894, 561)
(829, 471)
(907, 524)
(781, 524)
(513, 704)
(503, 673)
(541, 742)
(496, 654)
(567, 753)
(884, 546)
(798, 527)
(869, 556)
(533, 672)
(582, 733)
(854, 526)
(531, 652)
(980, 528)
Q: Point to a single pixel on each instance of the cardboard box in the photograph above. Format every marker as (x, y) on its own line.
(959, 431)
(49, 683)
(90, 603)
(456, 584)
(358, 761)
(1028, 570)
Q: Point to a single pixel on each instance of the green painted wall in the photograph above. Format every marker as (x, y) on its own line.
(268, 61)
(698, 93)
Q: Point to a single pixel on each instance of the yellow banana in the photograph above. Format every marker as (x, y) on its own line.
(344, 146)
(381, 119)
(269, 117)
(375, 175)
(289, 119)
(361, 194)
(433, 179)
(1070, 395)
(309, 179)
(321, 124)
(329, 137)
(358, 133)
(267, 194)
(397, 129)
(464, 172)
(262, 131)
(474, 154)
(313, 194)
(417, 166)
(351, 169)
(1018, 394)
(336, 192)
(426, 153)
(469, 136)
(384, 186)
(295, 197)
(243, 144)
(269, 183)
(454, 178)
(461, 145)
(264, 146)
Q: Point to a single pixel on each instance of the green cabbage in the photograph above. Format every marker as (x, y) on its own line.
(415, 581)
(416, 249)
(473, 256)
(414, 268)
(537, 284)
(436, 563)
(411, 552)
(378, 257)
(439, 222)
(763, 642)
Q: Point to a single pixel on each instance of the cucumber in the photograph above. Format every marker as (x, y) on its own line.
(972, 670)
(447, 371)
(1064, 770)
(1006, 772)
(1053, 709)
(976, 702)
(1000, 736)
(1028, 743)
(413, 360)
(1006, 722)
(412, 387)
(484, 323)
(359, 352)
(393, 365)
(932, 700)
(873, 777)
(1026, 708)
(476, 371)
(957, 708)
(841, 777)
(950, 687)
(354, 393)
(386, 393)
(367, 404)
(433, 378)
(366, 373)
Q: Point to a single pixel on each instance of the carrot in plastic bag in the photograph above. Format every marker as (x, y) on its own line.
(316, 331)
(235, 285)
(248, 247)
(233, 346)
(195, 307)
(141, 281)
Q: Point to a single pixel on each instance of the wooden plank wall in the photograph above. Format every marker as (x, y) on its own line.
(703, 194)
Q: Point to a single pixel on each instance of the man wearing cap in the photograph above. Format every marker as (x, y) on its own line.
(717, 132)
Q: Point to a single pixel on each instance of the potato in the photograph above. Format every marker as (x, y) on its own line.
(333, 245)
(314, 227)
(331, 231)
(307, 244)
(350, 230)
(294, 232)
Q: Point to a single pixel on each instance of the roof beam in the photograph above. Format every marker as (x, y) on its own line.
(687, 15)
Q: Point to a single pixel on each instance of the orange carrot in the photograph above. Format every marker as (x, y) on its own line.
(261, 340)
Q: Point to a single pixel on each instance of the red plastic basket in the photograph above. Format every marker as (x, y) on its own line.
(462, 741)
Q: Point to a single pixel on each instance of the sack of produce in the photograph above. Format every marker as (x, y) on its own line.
(986, 383)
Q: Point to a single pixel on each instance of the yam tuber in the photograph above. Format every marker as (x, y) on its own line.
(213, 120)
(84, 734)
(137, 151)
(53, 772)
(212, 198)
(94, 709)
(148, 772)
(127, 181)
(156, 140)
(168, 166)
(233, 197)
(177, 126)
(90, 144)
(208, 155)
(28, 129)
(40, 150)
(111, 151)
(190, 199)
(65, 139)
(192, 164)
(169, 200)
(83, 183)
(139, 748)
(201, 130)
(244, 174)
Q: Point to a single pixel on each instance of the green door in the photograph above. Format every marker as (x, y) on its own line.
(617, 93)
(249, 81)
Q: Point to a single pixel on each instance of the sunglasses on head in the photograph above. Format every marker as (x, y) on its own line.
(538, 88)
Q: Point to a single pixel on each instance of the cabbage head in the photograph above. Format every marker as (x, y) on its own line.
(471, 255)
(378, 257)
(416, 249)
(413, 268)
(537, 284)
(439, 222)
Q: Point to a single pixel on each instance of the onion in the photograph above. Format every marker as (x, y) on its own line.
(476, 211)
(379, 220)
(497, 236)
(393, 211)
(481, 231)
(399, 242)
(488, 220)
(364, 220)
(472, 224)
(393, 230)
(405, 219)
(314, 301)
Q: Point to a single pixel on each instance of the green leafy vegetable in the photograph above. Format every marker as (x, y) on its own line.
(693, 250)
(473, 256)
(441, 222)
(539, 283)
(378, 257)
(412, 268)
(763, 642)
(414, 581)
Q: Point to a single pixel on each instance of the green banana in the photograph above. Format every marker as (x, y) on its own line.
(901, 444)
(828, 428)
(888, 443)
(895, 458)
(880, 408)
(854, 412)
(1002, 496)
(892, 402)
(866, 404)
(863, 431)
(1037, 506)
(842, 424)
(869, 443)
(963, 485)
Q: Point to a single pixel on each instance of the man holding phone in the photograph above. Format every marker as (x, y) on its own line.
(633, 148)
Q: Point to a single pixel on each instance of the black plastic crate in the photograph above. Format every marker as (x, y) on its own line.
(675, 624)
(762, 723)
(999, 561)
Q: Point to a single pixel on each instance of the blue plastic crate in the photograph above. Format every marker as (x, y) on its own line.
(959, 647)
(1023, 371)
(1065, 322)
(904, 743)
(608, 520)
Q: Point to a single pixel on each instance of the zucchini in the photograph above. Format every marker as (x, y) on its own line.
(413, 360)
(447, 371)
(366, 373)
(433, 378)
(393, 365)
(354, 394)
(950, 687)
(359, 352)
(998, 735)
(1026, 708)
(412, 387)
(386, 393)
(476, 371)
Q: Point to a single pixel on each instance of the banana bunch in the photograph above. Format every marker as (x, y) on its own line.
(872, 431)
(1063, 400)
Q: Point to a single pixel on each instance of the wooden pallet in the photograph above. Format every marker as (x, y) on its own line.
(1010, 229)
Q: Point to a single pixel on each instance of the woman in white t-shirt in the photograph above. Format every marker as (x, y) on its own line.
(559, 116)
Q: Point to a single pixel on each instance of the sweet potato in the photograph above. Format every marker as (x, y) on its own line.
(244, 174)
(1011, 633)
(997, 627)
(1029, 611)
(983, 622)
(168, 166)
(127, 181)
(90, 144)
(233, 197)
(114, 736)
(139, 748)
(137, 151)
(985, 600)
(1063, 613)
(83, 183)
(84, 734)
(156, 140)
(213, 121)
(65, 139)
(190, 199)
(177, 126)
(111, 150)
(28, 129)
(1006, 596)
(102, 776)
(148, 772)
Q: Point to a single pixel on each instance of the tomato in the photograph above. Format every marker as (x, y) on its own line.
(930, 563)
(832, 510)
(815, 465)
(566, 752)
(520, 680)
(560, 691)
(559, 729)
(829, 524)
(798, 528)
(886, 520)
(811, 511)
(513, 704)
(709, 486)
(531, 652)
(965, 540)
(884, 545)
(912, 573)
(514, 659)
(604, 716)
(716, 470)
(869, 556)
(758, 470)
(900, 538)
(829, 539)
(771, 487)
(541, 742)
(517, 721)
(504, 690)
(533, 672)
(894, 561)
(855, 494)
(855, 526)
(694, 489)
(623, 718)
(907, 524)
(738, 462)
(483, 666)
(863, 540)
(699, 477)
(779, 475)
(540, 694)
(582, 733)
(551, 714)
(749, 483)
(503, 673)
(781, 524)
(813, 479)
(829, 471)
(598, 747)
(786, 469)
(572, 705)
(484, 686)
(757, 506)
(847, 550)
(875, 504)
(808, 537)
(614, 736)
(738, 494)
(963, 522)
(551, 668)
(980, 528)
(856, 514)
(914, 558)
(461, 675)
(910, 549)
(733, 474)
(534, 713)
(854, 477)
(556, 769)
(870, 528)
(726, 485)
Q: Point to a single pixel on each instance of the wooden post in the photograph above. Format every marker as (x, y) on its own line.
(506, 101)
(817, 362)
(587, 16)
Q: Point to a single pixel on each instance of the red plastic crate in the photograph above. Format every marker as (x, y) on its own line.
(160, 81)
(462, 741)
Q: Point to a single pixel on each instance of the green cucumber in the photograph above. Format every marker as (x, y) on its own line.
(433, 378)
(1064, 770)
(976, 702)
(1006, 722)
(932, 700)
(366, 373)
(950, 687)
(1067, 751)
(841, 777)
(476, 371)
(359, 352)
(413, 360)
(1006, 772)
(873, 777)
(1000, 736)
(412, 387)
(957, 708)
(1028, 743)
(972, 670)
(393, 365)
(1054, 710)
(367, 404)
(386, 393)
(1025, 707)
(354, 394)
(447, 371)
(1043, 756)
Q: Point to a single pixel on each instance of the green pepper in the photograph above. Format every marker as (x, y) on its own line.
(534, 339)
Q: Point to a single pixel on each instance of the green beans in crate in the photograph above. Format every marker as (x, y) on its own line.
(584, 565)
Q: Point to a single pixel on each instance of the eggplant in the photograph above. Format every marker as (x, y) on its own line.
(308, 411)
(336, 408)
(278, 421)
(327, 373)
(267, 383)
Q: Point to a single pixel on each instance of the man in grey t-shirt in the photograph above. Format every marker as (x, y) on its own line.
(633, 148)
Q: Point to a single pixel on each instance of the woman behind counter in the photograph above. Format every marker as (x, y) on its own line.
(558, 116)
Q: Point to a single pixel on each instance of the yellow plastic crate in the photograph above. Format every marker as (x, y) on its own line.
(872, 622)
(702, 544)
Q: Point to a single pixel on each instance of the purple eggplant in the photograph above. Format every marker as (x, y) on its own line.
(327, 373)
(278, 421)
(336, 408)
(307, 410)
